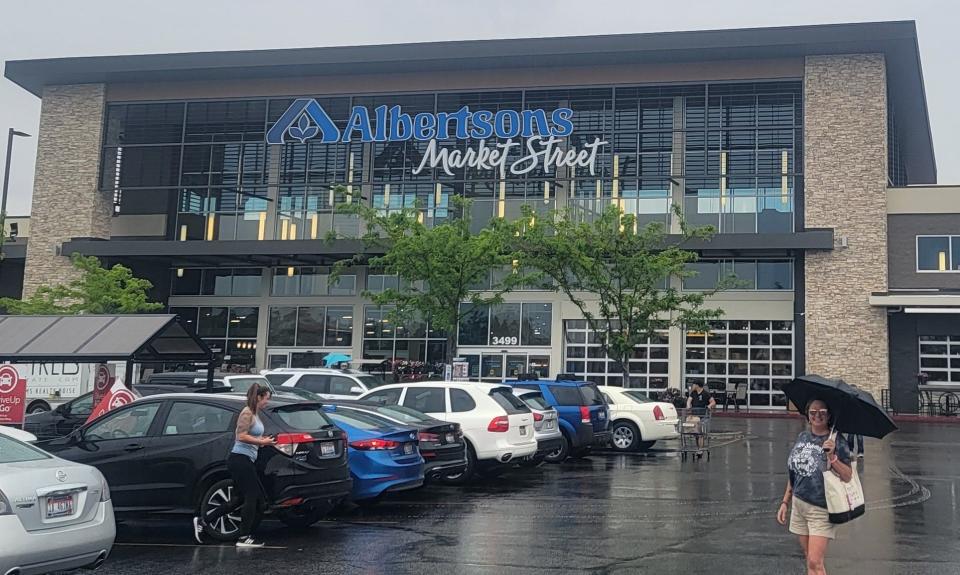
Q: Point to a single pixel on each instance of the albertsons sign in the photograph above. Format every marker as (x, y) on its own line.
(306, 119)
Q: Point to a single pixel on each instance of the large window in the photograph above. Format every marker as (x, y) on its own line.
(740, 275)
(231, 332)
(413, 341)
(584, 357)
(235, 282)
(940, 358)
(311, 281)
(311, 326)
(758, 354)
(506, 325)
(938, 253)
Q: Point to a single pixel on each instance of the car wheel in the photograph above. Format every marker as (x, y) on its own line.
(624, 436)
(467, 473)
(645, 445)
(227, 527)
(38, 407)
(561, 453)
(306, 515)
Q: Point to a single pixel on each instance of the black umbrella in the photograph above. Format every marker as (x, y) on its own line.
(854, 410)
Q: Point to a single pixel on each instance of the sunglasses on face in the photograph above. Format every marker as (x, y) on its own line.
(819, 412)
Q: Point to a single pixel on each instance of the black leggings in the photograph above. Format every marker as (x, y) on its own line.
(246, 492)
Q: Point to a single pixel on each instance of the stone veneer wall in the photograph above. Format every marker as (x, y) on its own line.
(66, 199)
(845, 170)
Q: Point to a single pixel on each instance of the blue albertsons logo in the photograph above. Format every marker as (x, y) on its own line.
(305, 119)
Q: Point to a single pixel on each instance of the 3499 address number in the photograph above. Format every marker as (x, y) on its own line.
(505, 340)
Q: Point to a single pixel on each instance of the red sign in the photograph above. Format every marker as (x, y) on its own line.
(13, 396)
(117, 396)
(102, 384)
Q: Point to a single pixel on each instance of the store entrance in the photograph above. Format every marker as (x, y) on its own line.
(498, 367)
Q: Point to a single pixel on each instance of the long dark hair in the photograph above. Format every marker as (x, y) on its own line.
(254, 393)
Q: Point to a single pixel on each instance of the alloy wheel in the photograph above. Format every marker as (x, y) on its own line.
(623, 437)
(229, 523)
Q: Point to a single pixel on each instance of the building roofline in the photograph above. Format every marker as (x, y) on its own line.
(897, 40)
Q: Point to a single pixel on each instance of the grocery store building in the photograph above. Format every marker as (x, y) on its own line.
(213, 174)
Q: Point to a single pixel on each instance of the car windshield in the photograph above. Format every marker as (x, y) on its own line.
(638, 396)
(303, 417)
(278, 378)
(300, 392)
(403, 413)
(535, 400)
(591, 395)
(242, 384)
(13, 451)
(371, 381)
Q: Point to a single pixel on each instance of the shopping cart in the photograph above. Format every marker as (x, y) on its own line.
(693, 426)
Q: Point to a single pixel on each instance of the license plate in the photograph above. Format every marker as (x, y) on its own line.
(551, 424)
(59, 506)
(327, 448)
(450, 438)
(523, 430)
(407, 448)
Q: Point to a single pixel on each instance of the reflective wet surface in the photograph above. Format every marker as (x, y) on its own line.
(644, 513)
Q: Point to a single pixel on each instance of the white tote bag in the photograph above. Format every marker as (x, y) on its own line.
(844, 500)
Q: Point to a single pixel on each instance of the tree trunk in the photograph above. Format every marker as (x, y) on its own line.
(451, 350)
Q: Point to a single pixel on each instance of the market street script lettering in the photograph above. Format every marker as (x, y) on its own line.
(545, 152)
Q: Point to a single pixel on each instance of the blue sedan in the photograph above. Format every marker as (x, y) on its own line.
(383, 456)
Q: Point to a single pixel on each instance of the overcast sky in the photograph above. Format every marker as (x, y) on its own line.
(51, 29)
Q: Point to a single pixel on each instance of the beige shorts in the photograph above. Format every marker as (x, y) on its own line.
(806, 519)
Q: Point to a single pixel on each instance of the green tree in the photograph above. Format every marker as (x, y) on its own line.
(98, 290)
(439, 266)
(617, 274)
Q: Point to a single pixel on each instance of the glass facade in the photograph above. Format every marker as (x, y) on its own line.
(649, 366)
(730, 152)
(940, 358)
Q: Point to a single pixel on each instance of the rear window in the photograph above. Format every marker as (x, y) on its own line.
(566, 395)
(638, 396)
(592, 395)
(359, 419)
(535, 400)
(13, 451)
(302, 417)
(278, 378)
(531, 386)
(508, 401)
(404, 414)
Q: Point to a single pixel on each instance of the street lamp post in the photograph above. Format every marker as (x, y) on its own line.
(6, 170)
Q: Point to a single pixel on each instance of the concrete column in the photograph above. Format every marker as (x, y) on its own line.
(67, 202)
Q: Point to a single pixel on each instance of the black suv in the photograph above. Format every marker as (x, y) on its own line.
(168, 454)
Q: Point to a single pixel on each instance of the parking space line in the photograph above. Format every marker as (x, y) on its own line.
(191, 545)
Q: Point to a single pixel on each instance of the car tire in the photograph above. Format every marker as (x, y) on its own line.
(624, 436)
(37, 407)
(562, 452)
(645, 445)
(306, 515)
(468, 472)
(227, 527)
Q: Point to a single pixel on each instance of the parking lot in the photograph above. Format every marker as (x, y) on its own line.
(650, 513)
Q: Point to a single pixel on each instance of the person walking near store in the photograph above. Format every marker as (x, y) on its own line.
(241, 462)
(700, 404)
(815, 451)
(859, 441)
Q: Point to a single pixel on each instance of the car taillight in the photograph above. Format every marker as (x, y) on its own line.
(499, 424)
(427, 436)
(288, 442)
(105, 489)
(537, 416)
(584, 414)
(374, 444)
(658, 413)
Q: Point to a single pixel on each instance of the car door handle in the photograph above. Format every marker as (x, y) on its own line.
(133, 447)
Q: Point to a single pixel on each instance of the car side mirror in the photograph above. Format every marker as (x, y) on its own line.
(356, 390)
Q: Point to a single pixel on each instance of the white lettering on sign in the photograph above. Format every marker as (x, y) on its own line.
(541, 152)
(504, 340)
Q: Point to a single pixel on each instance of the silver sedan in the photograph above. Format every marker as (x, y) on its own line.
(54, 514)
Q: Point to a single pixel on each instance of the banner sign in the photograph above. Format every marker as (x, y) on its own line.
(306, 119)
(13, 396)
(461, 369)
(117, 396)
(103, 379)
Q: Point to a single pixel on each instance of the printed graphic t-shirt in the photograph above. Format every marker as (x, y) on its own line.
(806, 464)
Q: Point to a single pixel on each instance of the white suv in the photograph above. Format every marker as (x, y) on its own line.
(325, 382)
(497, 424)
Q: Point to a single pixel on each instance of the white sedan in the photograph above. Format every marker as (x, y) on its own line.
(637, 422)
(54, 514)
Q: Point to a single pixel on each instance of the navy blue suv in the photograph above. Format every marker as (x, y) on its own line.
(584, 416)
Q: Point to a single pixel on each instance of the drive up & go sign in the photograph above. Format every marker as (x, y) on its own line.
(13, 395)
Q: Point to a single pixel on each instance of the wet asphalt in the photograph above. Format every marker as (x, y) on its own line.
(610, 513)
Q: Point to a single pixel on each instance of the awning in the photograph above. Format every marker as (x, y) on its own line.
(915, 301)
(99, 338)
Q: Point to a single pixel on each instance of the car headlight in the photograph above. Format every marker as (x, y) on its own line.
(105, 489)
(5, 508)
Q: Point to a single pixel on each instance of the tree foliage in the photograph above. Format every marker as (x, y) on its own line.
(617, 273)
(439, 266)
(98, 290)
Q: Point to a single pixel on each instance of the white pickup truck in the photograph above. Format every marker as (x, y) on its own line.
(50, 384)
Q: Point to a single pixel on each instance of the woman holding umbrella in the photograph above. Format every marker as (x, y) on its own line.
(815, 451)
